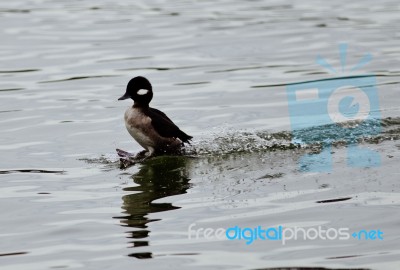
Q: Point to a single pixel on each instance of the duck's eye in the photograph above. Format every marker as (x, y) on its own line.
(142, 92)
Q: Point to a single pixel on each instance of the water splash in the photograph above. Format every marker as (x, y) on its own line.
(231, 141)
(225, 141)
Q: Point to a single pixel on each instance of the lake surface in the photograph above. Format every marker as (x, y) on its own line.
(220, 70)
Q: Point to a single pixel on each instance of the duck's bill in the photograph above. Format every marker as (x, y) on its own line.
(125, 96)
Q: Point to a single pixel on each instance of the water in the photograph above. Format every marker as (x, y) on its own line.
(219, 70)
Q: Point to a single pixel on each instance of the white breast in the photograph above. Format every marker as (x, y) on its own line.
(137, 123)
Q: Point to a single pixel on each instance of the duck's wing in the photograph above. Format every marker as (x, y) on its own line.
(164, 126)
(160, 113)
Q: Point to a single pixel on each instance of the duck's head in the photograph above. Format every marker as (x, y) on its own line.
(139, 89)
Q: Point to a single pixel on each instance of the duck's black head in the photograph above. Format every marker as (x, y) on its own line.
(139, 89)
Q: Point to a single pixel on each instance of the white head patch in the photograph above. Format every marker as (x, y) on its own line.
(142, 92)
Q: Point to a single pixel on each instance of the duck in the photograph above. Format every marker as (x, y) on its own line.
(150, 127)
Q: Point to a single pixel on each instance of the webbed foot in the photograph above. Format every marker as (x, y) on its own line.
(127, 159)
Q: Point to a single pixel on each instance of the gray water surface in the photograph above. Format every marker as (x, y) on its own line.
(219, 69)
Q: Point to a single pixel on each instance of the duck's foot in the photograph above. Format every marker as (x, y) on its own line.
(141, 155)
(125, 163)
(123, 153)
(128, 159)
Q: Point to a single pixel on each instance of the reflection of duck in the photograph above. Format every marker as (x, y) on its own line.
(160, 177)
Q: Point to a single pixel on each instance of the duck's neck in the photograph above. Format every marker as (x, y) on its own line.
(140, 105)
